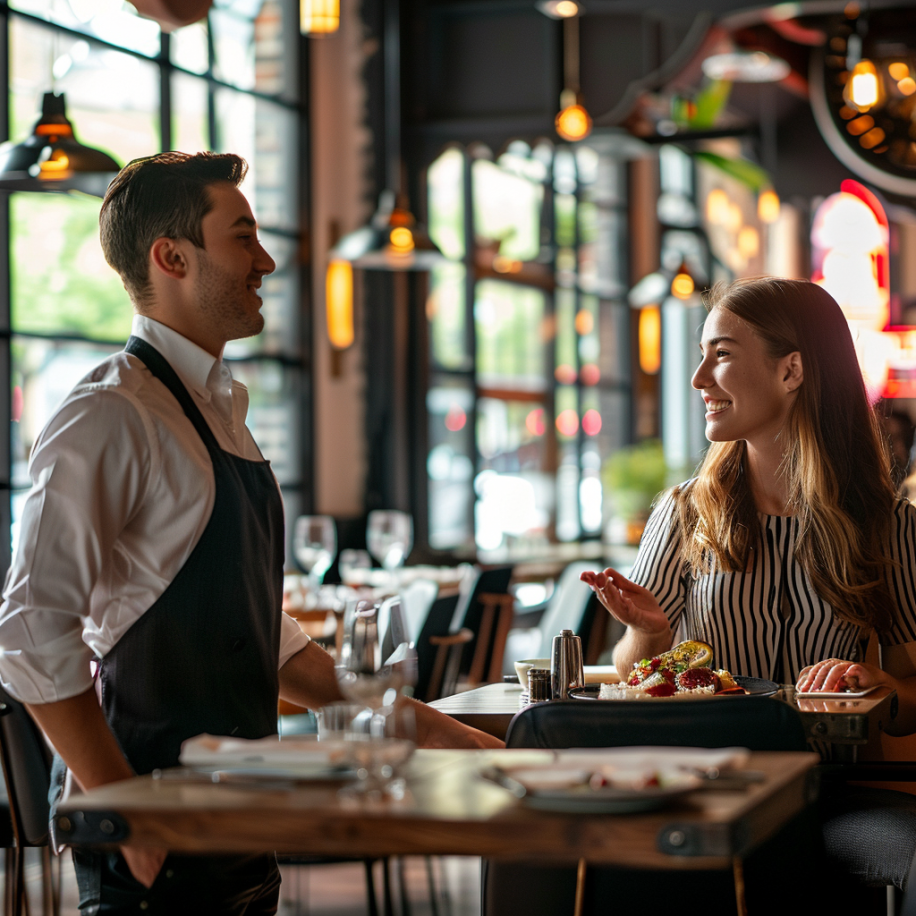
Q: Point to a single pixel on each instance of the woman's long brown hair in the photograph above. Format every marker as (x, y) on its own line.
(834, 462)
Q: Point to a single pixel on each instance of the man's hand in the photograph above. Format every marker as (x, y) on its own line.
(435, 729)
(144, 864)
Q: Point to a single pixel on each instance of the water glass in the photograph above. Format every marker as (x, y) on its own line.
(315, 546)
(389, 537)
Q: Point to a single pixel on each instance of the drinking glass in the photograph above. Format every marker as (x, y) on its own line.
(349, 562)
(389, 537)
(370, 677)
(314, 546)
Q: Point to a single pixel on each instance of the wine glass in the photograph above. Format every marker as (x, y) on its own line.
(389, 537)
(376, 664)
(314, 546)
(354, 565)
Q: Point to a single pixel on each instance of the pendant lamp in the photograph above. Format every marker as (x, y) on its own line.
(52, 159)
(392, 239)
(573, 122)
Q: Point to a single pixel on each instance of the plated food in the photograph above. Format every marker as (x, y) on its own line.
(683, 671)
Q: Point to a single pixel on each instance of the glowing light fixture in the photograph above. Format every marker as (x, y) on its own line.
(768, 206)
(717, 207)
(319, 17)
(560, 9)
(339, 303)
(573, 123)
(864, 89)
(52, 159)
(898, 70)
(682, 286)
(392, 239)
(650, 339)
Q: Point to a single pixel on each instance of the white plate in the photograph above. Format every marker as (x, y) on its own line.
(835, 695)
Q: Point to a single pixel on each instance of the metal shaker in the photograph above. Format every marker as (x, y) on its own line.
(566, 669)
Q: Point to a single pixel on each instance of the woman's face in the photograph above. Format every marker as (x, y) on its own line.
(747, 393)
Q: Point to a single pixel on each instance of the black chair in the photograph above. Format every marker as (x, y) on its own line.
(757, 723)
(26, 759)
(485, 610)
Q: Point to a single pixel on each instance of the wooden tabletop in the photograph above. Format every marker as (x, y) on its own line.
(449, 810)
(843, 724)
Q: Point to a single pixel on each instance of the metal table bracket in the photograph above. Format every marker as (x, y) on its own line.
(90, 827)
(704, 839)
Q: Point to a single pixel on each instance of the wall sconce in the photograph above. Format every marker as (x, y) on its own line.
(319, 17)
(650, 339)
(338, 292)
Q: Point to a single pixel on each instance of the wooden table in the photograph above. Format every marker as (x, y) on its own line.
(449, 810)
(844, 725)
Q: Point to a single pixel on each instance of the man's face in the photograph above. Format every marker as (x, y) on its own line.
(230, 266)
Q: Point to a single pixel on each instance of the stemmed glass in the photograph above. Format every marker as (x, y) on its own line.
(376, 664)
(389, 537)
(315, 546)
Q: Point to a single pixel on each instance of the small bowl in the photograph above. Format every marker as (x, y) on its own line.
(523, 666)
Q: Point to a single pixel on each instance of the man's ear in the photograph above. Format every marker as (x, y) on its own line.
(168, 256)
(793, 371)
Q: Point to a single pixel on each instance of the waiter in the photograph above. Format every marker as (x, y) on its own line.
(153, 540)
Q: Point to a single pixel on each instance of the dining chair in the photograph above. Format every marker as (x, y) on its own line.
(484, 608)
(759, 724)
(26, 761)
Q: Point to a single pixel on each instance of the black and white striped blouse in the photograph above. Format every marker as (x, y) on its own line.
(767, 621)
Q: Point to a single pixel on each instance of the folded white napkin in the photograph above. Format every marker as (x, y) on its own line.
(212, 751)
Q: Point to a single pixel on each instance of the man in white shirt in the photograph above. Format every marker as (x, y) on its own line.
(152, 539)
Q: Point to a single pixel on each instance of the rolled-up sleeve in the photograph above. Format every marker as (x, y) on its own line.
(90, 470)
(292, 639)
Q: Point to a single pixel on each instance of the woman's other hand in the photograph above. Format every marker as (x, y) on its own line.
(630, 603)
(833, 675)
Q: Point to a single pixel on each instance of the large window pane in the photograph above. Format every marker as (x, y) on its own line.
(265, 134)
(450, 462)
(447, 314)
(43, 374)
(60, 281)
(114, 21)
(507, 209)
(446, 203)
(510, 336)
(190, 133)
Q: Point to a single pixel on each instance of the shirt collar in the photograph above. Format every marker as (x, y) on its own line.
(191, 363)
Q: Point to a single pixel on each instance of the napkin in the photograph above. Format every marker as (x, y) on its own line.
(271, 752)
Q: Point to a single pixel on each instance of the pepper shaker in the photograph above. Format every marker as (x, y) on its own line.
(566, 669)
(538, 685)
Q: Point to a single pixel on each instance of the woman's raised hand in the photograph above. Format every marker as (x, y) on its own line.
(630, 603)
(834, 674)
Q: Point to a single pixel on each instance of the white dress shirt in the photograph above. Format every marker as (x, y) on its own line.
(122, 490)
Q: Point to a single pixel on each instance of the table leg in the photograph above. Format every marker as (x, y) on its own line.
(738, 872)
(580, 888)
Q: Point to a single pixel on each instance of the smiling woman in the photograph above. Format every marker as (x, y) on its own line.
(787, 547)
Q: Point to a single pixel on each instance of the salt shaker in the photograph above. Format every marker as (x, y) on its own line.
(538, 685)
(566, 669)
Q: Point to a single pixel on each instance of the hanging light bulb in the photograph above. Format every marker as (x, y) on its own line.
(319, 17)
(768, 206)
(573, 122)
(52, 159)
(864, 88)
(392, 240)
(650, 339)
(682, 286)
(339, 303)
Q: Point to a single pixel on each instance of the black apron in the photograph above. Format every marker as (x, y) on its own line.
(204, 657)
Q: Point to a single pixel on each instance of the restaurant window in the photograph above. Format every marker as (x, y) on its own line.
(529, 341)
(228, 84)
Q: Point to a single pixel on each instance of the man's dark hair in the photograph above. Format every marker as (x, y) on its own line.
(159, 196)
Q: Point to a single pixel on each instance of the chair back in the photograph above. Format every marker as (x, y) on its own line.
(475, 610)
(26, 760)
(436, 676)
(758, 723)
(416, 602)
(566, 609)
